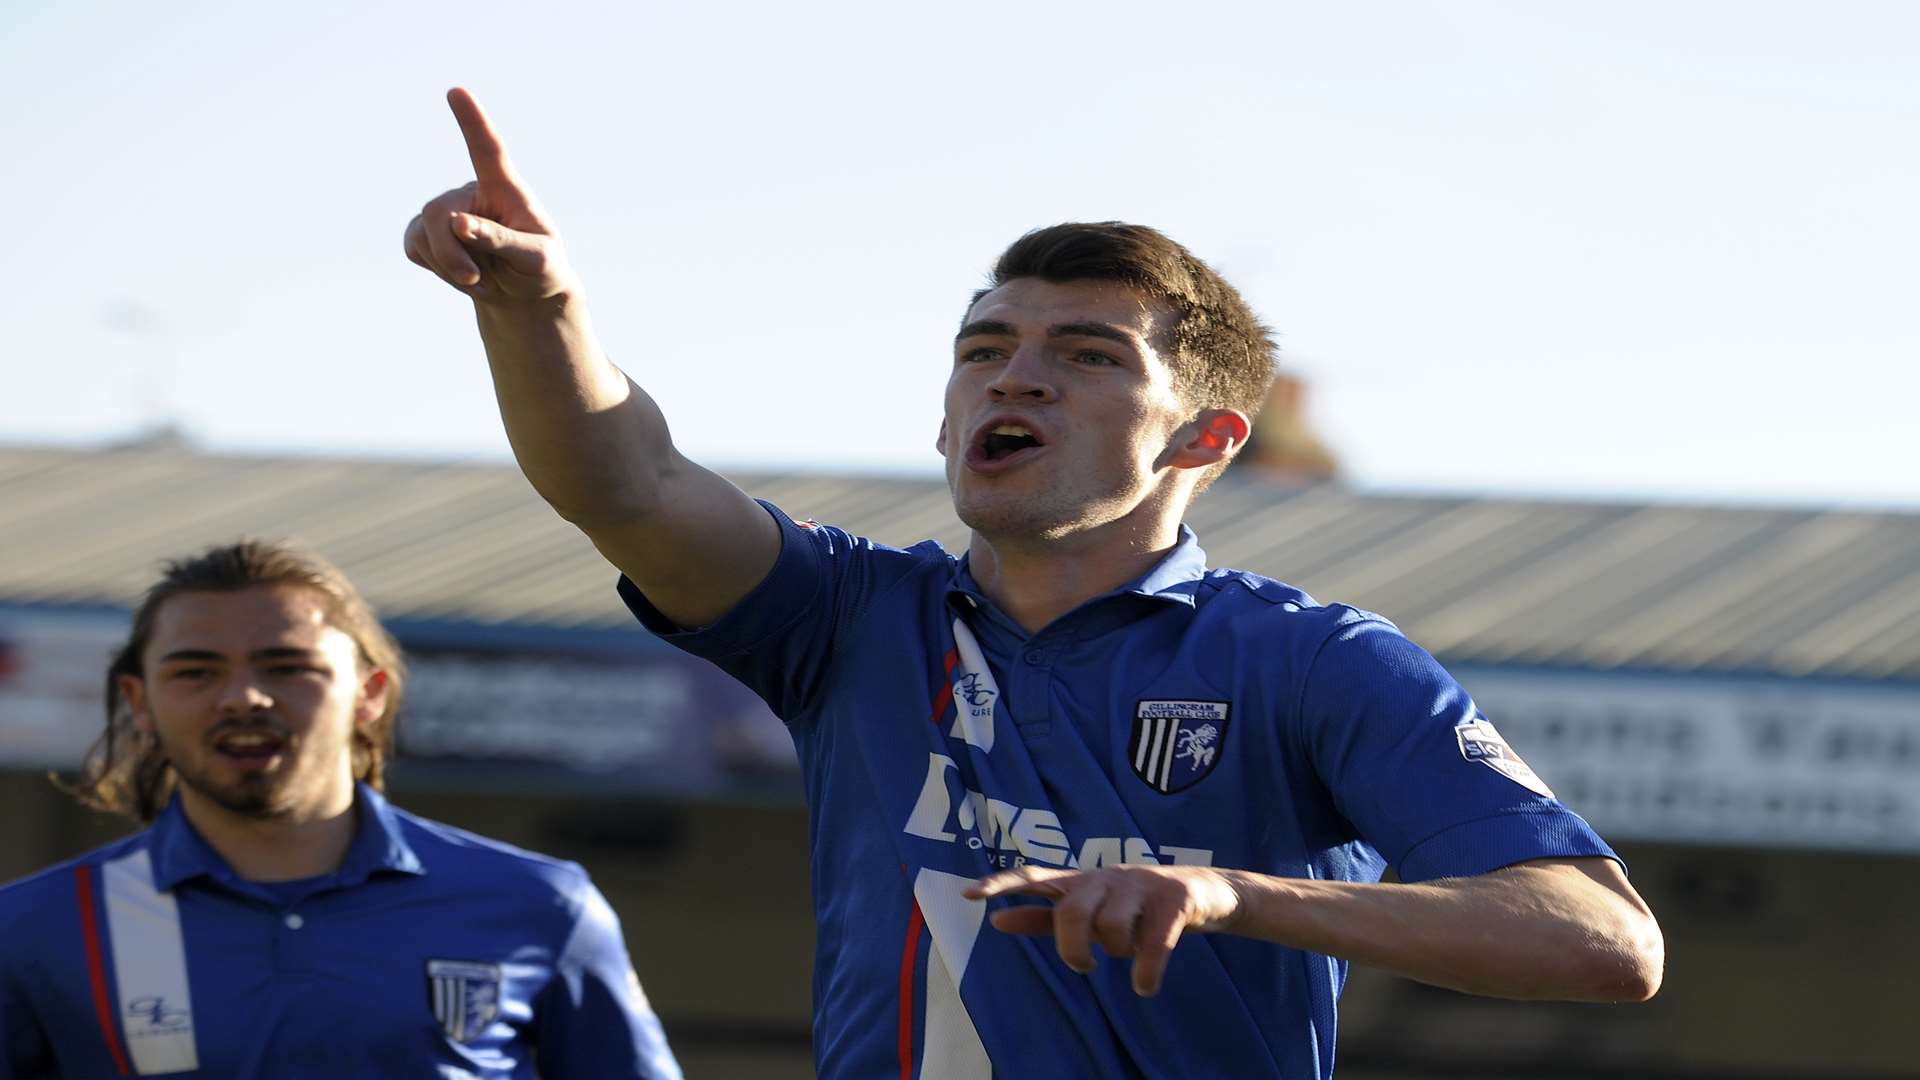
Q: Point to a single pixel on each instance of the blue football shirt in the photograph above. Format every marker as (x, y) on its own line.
(1194, 716)
(430, 953)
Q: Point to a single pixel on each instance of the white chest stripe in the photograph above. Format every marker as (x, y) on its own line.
(975, 694)
(951, 1047)
(149, 968)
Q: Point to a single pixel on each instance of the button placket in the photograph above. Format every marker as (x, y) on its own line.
(296, 949)
(1032, 684)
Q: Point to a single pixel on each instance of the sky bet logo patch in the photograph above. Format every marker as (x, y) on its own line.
(1175, 743)
(1480, 742)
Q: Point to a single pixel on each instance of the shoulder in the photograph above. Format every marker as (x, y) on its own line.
(873, 576)
(463, 859)
(59, 877)
(1263, 605)
(832, 540)
(1335, 653)
(28, 901)
(864, 567)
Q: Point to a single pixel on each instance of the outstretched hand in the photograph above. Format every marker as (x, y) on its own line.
(1132, 910)
(489, 238)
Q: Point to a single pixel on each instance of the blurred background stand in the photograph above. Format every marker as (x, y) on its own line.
(1730, 694)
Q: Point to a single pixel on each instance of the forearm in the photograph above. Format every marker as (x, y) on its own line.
(590, 441)
(1535, 932)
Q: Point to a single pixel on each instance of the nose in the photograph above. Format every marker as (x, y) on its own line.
(243, 695)
(1023, 376)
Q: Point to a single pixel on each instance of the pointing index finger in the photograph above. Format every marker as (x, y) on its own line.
(490, 163)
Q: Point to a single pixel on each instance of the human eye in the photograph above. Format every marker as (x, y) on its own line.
(1095, 358)
(189, 674)
(978, 355)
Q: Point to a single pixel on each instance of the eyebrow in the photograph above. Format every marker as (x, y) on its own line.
(996, 328)
(281, 652)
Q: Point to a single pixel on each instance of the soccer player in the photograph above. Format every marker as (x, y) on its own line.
(278, 917)
(1080, 806)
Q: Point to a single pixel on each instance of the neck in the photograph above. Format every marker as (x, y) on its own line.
(1037, 581)
(277, 848)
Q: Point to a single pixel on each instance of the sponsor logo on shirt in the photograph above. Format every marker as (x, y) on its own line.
(465, 995)
(1176, 743)
(1008, 836)
(1480, 742)
(974, 691)
(155, 1016)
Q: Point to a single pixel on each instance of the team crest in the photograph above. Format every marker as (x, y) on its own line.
(1480, 742)
(1175, 743)
(466, 996)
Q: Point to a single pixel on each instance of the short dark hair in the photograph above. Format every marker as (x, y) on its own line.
(126, 772)
(1222, 355)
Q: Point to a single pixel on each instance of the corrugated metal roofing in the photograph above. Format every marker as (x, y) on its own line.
(1590, 585)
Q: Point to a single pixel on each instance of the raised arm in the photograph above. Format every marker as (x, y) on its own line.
(1563, 929)
(593, 444)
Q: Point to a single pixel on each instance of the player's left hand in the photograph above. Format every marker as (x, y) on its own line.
(1132, 910)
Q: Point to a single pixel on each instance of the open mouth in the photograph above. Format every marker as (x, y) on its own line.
(1001, 444)
(1005, 440)
(251, 747)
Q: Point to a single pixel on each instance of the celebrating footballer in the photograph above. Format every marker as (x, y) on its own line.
(1080, 805)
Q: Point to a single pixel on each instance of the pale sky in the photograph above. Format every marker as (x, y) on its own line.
(1601, 250)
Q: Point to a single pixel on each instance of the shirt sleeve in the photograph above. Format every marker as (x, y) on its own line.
(779, 640)
(594, 1020)
(1418, 770)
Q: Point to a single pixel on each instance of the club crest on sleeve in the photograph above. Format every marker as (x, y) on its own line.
(1175, 743)
(465, 995)
(1480, 742)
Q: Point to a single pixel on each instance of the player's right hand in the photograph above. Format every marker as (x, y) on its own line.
(490, 238)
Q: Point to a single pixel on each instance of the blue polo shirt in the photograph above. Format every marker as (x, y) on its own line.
(1193, 716)
(430, 953)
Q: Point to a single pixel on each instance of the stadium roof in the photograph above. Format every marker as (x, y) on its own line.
(1494, 581)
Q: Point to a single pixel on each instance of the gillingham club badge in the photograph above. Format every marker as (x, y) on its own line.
(1176, 743)
(466, 996)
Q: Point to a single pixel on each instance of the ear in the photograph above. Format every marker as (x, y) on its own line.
(373, 697)
(940, 440)
(133, 690)
(1209, 438)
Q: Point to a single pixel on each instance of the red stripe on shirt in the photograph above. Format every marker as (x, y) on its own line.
(917, 922)
(943, 694)
(910, 953)
(909, 958)
(96, 968)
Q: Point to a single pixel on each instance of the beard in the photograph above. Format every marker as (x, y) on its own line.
(259, 795)
(264, 794)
